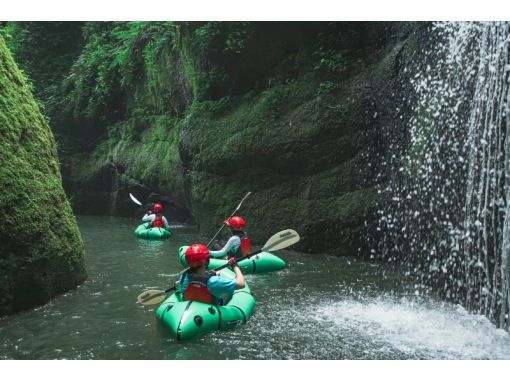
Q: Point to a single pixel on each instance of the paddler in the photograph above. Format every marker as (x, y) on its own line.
(199, 284)
(239, 244)
(156, 218)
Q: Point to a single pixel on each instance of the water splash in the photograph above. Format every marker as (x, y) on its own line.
(447, 198)
(358, 326)
(417, 329)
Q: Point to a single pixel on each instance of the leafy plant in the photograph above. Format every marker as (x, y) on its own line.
(116, 58)
(325, 88)
(331, 61)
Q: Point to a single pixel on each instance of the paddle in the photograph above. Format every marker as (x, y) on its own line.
(140, 203)
(281, 240)
(135, 200)
(223, 225)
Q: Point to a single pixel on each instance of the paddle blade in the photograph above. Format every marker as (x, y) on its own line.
(281, 240)
(240, 203)
(151, 297)
(135, 200)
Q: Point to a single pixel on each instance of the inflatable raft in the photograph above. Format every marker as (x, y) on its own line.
(188, 319)
(155, 233)
(260, 263)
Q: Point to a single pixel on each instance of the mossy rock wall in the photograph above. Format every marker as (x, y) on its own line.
(146, 165)
(302, 166)
(41, 250)
(302, 140)
(203, 112)
(121, 135)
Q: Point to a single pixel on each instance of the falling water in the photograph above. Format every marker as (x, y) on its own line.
(448, 195)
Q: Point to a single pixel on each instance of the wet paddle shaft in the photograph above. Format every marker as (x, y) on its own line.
(223, 225)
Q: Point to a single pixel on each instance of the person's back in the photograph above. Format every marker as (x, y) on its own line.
(196, 287)
(156, 218)
(239, 244)
(198, 284)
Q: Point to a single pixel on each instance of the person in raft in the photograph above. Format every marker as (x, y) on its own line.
(199, 284)
(156, 217)
(239, 244)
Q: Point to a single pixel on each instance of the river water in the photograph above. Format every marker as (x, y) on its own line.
(319, 307)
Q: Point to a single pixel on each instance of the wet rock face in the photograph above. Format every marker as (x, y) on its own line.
(41, 251)
(205, 112)
(304, 146)
(99, 182)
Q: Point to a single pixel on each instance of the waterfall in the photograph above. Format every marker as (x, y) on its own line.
(445, 205)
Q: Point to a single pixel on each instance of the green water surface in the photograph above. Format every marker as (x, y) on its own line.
(319, 307)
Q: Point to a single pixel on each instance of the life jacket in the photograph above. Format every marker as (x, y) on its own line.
(244, 248)
(197, 288)
(158, 221)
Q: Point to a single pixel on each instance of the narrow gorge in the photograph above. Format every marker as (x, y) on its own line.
(382, 143)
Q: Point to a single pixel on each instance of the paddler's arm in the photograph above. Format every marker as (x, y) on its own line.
(239, 275)
(222, 252)
(165, 222)
(148, 217)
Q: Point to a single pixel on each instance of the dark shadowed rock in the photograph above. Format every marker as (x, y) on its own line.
(41, 251)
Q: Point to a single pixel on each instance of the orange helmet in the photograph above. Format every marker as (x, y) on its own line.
(236, 223)
(196, 255)
(158, 207)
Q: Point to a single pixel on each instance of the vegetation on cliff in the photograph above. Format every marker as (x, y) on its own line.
(41, 254)
(45, 51)
(289, 119)
(204, 112)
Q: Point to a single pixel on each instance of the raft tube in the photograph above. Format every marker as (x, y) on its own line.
(262, 262)
(154, 233)
(188, 319)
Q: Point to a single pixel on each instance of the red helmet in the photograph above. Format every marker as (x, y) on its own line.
(236, 223)
(196, 255)
(158, 207)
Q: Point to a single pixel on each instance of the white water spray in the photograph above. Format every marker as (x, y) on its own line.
(446, 220)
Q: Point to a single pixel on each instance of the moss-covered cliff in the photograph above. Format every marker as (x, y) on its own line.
(125, 96)
(45, 52)
(204, 112)
(296, 133)
(41, 251)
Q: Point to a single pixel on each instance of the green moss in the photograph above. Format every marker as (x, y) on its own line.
(294, 149)
(153, 156)
(412, 43)
(189, 70)
(315, 205)
(45, 51)
(205, 112)
(41, 254)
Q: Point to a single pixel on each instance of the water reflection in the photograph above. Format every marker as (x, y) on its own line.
(151, 247)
